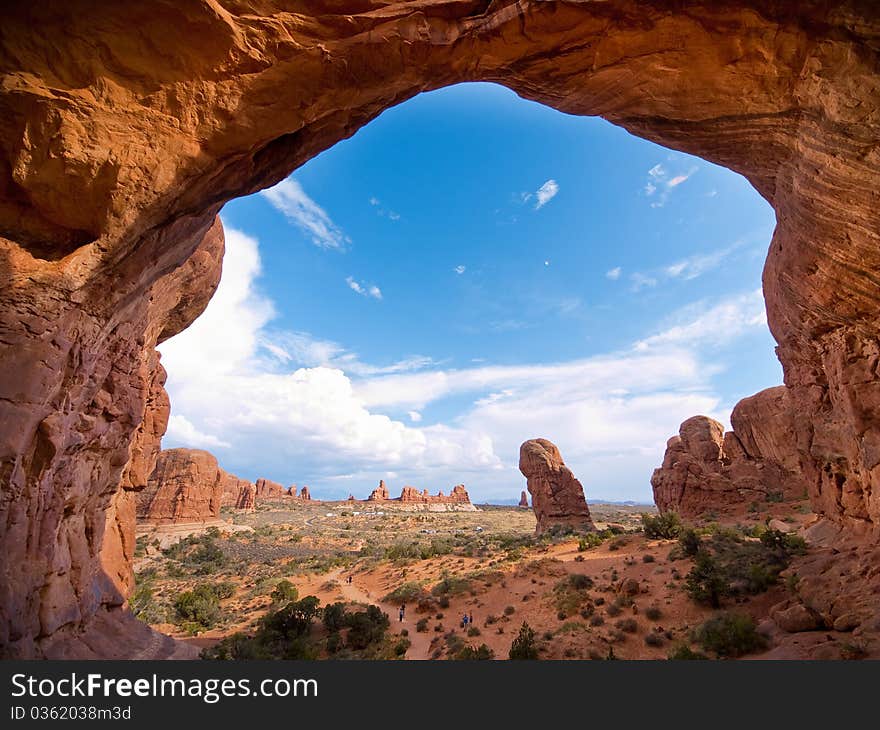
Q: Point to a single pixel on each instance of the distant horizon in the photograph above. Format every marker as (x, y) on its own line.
(469, 271)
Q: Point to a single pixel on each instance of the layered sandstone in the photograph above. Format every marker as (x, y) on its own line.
(114, 164)
(523, 499)
(557, 496)
(380, 493)
(236, 492)
(269, 490)
(706, 470)
(186, 486)
(411, 495)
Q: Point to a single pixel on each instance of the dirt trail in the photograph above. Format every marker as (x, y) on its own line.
(420, 646)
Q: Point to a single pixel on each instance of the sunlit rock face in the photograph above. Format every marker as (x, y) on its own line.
(123, 130)
(557, 496)
(707, 471)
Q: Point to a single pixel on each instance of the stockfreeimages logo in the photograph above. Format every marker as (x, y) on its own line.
(208, 690)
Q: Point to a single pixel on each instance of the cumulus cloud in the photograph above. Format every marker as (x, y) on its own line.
(297, 408)
(365, 290)
(546, 193)
(289, 198)
(613, 274)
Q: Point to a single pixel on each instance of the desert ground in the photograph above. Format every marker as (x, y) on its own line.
(622, 593)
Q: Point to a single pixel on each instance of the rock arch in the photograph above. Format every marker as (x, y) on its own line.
(124, 127)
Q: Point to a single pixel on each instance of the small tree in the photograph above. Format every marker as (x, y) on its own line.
(334, 617)
(523, 646)
(706, 583)
(284, 592)
(689, 541)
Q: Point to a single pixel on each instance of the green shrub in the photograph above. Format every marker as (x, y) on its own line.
(334, 617)
(400, 648)
(470, 653)
(654, 639)
(663, 526)
(473, 631)
(706, 582)
(407, 593)
(284, 592)
(729, 635)
(689, 540)
(653, 613)
(523, 646)
(647, 558)
(684, 653)
(366, 627)
(294, 619)
(422, 625)
(588, 541)
(199, 606)
(629, 625)
(509, 610)
(334, 643)
(450, 586)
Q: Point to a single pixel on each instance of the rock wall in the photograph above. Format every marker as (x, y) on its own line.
(124, 127)
(557, 496)
(380, 493)
(411, 495)
(305, 494)
(267, 489)
(706, 470)
(186, 486)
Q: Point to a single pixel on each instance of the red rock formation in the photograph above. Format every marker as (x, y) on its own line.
(186, 486)
(113, 166)
(412, 495)
(236, 492)
(291, 491)
(523, 499)
(705, 469)
(268, 490)
(305, 494)
(380, 493)
(557, 496)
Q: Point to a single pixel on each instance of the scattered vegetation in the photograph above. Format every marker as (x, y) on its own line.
(523, 646)
(729, 635)
(664, 526)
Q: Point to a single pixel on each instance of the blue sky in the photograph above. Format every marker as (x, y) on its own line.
(468, 271)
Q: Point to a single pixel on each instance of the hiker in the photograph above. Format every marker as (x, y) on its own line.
(471, 618)
(402, 610)
(349, 580)
(464, 621)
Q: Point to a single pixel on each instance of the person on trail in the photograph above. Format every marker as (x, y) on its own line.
(464, 621)
(349, 580)
(471, 618)
(402, 610)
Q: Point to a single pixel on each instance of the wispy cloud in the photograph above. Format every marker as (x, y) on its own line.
(660, 184)
(365, 290)
(641, 281)
(383, 212)
(698, 264)
(614, 274)
(289, 198)
(546, 193)
(460, 269)
(712, 324)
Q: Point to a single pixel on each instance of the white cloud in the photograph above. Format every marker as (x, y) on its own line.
(289, 198)
(180, 429)
(546, 193)
(382, 212)
(613, 274)
(698, 264)
(300, 409)
(460, 269)
(713, 324)
(660, 185)
(363, 289)
(641, 281)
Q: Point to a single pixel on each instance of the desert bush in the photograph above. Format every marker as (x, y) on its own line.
(653, 613)
(199, 606)
(596, 620)
(614, 609)
(334, 617)
(451, 586)
(422, 625)
(729, 635)
(706, 582)
(284, 592)
(629, 625)
(473, 631)
(647, 558)
(401, 647)
(588, 541)
(366, 627)
(470, 653)
(689, 541)
(509, 610)
(654, 639)
(333, 643)
(523, 646)
(664, 526)
(407, 593)
(684, 653)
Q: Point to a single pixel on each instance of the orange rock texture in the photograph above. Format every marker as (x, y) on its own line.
(557, 496)
(187, 485)
(706, 470)
(124, 127)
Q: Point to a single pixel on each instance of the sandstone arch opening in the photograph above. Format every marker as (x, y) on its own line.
(141, 155)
